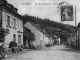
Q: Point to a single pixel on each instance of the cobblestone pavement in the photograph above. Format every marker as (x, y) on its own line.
(51, 53)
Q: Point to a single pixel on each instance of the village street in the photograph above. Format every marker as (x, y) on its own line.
(51, 53)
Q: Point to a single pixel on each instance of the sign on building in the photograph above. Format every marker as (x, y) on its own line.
(66, 13)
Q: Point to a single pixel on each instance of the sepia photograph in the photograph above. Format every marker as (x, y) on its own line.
(39, 30)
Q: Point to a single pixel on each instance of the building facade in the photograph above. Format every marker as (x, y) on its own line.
(37, 32)
(41, 36)
(12, 21)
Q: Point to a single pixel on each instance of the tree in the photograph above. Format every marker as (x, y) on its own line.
(3, 33)
(32, 38)
(28, 37)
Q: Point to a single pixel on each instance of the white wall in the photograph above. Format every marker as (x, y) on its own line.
(9, 37)
(38, 34)
(35, 31)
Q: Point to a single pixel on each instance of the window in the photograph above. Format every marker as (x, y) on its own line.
(21, 24)
(8, 20)
(18, 24)
(11, 22)
(19, 40)
(14, 23)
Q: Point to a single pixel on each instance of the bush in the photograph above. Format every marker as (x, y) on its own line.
(12, 44)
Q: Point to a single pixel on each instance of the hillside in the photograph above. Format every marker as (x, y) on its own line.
(49, 25)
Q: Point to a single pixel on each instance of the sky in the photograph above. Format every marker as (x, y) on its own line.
(45, 8)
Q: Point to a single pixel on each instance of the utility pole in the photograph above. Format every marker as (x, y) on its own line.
(76, 27)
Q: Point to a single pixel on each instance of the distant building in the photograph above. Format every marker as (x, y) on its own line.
(12, 21)
(71, 41)
(78, 35)
(38, 33)
(41, 37)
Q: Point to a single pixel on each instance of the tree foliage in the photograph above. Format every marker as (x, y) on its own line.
(3, 33)
(32, 37)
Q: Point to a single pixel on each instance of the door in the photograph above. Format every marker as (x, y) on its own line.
(19, 40)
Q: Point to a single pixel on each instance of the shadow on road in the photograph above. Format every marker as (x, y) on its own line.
(61, 48)
(70, 50)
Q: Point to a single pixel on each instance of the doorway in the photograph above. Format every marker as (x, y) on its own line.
(19, 40)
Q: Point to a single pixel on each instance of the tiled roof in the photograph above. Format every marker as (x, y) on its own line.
(38, 27)
(35, 25)
(26, 28)
(10, 8)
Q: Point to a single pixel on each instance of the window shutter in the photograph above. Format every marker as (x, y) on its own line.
(6, 21)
